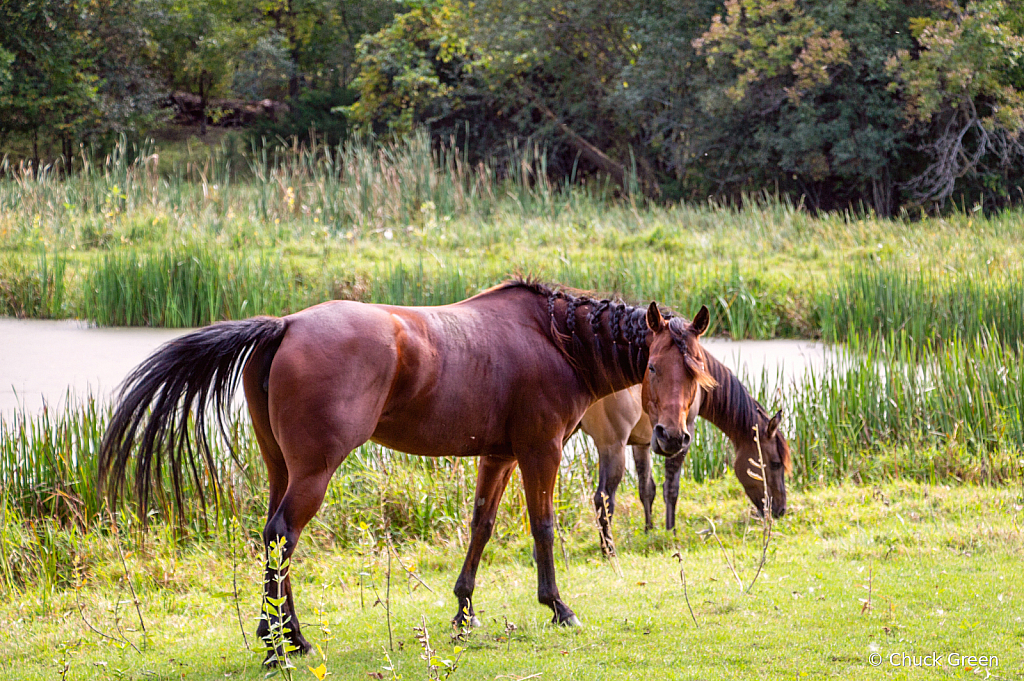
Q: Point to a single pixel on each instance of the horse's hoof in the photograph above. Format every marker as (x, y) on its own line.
(570, 621)
(460, 621)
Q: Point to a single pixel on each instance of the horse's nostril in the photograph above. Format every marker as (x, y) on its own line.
(686, 439)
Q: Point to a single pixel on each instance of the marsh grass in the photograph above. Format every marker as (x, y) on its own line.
(925, 306)
(960, 401)
(36, 291)
(272, 229)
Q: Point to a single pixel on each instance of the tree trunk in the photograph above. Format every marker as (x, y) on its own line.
(881, 189)
(202, 104)
(600, 159)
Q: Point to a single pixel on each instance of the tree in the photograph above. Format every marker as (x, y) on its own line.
(197, 42)
(410, 71)
(961, 89)
(127, 94)
(313, 45)
(49, 86)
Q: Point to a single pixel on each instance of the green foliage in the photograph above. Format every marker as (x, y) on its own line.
(702, 99)
(50, 84)
(73, 72)
(768, 39)
(196, 43)
(962, 59)
(412, 67)
(962, 88)
(314, 112)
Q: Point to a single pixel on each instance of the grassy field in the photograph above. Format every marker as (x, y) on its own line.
(851, 571)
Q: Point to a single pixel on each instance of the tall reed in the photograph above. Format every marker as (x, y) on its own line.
(925, 305)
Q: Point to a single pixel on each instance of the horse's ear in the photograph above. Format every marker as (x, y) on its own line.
(701, 322)
(655, 322)
(773, 425)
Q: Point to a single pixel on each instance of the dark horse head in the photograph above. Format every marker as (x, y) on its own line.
(762, 472)
(675, 374)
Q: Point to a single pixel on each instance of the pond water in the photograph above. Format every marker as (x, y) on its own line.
(43, 362)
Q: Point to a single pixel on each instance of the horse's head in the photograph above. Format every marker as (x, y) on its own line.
(777, 462)
(675, 374)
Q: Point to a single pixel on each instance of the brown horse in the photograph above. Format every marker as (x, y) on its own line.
(612, 423)
(505, 375)
(619, 420)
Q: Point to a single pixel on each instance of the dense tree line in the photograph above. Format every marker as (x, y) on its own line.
(83, 71)
(847, 102)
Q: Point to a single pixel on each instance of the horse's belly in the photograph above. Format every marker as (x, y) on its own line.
(433, 437)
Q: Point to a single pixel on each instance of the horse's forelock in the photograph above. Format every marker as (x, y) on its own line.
(693, 358)
(699, 374)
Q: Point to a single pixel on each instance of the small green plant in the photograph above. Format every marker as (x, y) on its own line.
(65, 649)
(326, 636)
(438, 668)
(276, 642)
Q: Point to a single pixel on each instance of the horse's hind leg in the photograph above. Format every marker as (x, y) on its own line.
(311, 455)
(610, 468)
(273, 458)
(281, 536)
(645, 481)
(492, 477)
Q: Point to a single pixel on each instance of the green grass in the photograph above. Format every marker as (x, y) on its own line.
(403, 223)
(939, 564)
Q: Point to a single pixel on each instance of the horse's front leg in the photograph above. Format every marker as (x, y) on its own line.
(492, 477)
(610, 467)
(645, 481)
(540, 469)
(673, 468)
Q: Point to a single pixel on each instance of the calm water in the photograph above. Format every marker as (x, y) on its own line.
(42, 362)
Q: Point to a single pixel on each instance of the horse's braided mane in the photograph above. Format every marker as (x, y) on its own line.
(627, 322)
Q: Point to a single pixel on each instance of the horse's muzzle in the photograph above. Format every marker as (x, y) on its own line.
(667, 443)
(777, 511)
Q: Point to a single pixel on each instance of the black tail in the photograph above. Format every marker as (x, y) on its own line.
(184, 376)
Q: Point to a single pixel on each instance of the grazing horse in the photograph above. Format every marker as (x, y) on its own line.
(504, 375)
(619, 420)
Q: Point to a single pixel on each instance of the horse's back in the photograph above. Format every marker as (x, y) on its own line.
(426, 380)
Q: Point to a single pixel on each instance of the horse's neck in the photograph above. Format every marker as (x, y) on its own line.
(606, 358)
(728, 406)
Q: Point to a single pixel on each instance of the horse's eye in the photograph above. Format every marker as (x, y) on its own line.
(776, 465)
(650, 368)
